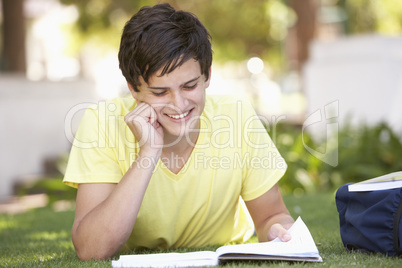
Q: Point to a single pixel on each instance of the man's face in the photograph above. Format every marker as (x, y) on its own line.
(178, 98)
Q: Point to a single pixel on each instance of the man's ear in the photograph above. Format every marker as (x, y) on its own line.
(209, 79)
(132, 91)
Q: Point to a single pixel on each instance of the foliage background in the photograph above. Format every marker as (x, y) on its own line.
(363, 152)
(240, 28)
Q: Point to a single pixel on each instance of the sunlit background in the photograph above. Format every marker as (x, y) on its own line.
(291, 58)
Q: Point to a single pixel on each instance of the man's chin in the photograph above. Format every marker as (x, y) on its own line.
(176, 135)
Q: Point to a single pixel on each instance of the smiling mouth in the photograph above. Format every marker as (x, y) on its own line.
(179, 116)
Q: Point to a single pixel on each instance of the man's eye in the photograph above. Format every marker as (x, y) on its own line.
(159, 93)
(191, 87)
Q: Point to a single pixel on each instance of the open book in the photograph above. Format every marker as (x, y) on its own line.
(300, 248)
(388, 181)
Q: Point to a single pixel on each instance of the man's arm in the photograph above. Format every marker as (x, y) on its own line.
(105, 213)
(270, 215)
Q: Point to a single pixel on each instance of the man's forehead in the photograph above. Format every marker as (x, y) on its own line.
(187, 71)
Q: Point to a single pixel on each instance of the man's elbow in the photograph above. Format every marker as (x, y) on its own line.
(87, 255)
(87, 252)
(102, 248)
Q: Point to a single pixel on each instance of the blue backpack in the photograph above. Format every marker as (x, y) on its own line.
(370, 221)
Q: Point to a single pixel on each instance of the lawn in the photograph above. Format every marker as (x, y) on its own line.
(41, 238)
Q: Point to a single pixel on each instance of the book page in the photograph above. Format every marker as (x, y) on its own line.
(301, 244)
(189, 259)
(388, 181)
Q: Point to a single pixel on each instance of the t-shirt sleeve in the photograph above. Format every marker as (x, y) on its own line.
(265, 165)
(92, 158)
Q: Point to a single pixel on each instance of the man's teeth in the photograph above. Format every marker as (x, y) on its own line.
(179, 116)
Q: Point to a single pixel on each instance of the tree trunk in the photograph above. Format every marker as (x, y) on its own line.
(302, 33)
(13, 36)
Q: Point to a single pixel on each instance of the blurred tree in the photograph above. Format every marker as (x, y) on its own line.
(240, 28)
(361, 15)
(368, 16)
(302, 32)
(95, 15)
(100, 21)
(13, 54)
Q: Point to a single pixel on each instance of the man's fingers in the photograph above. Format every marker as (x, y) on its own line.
(277, 230)
(142, 112)
(143, 123)
(153, 116)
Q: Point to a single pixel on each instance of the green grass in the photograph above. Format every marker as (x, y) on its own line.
(41, 238)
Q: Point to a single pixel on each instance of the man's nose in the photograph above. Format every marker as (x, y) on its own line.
(179, 101)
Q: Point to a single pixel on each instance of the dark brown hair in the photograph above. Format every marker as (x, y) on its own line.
(160, 37)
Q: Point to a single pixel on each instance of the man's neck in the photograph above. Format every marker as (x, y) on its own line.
(176, 154)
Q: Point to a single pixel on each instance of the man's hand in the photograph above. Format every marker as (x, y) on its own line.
(270, 215)
(143, 123)
(277, 230)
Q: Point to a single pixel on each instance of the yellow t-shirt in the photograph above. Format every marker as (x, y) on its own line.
(233, 158)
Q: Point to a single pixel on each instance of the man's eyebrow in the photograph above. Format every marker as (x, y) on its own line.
(185, 83)
(190, 81)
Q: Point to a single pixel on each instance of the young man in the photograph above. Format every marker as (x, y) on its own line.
(166, 166)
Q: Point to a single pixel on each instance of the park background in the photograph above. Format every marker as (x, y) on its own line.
(326, 75)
